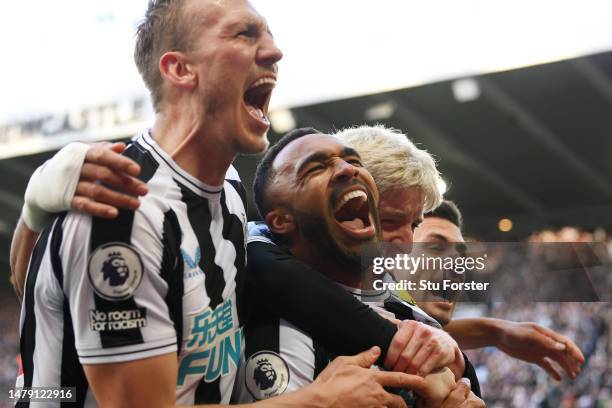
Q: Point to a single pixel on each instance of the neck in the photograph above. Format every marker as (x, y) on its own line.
(194, 143)
(346, 277)
(334, 270)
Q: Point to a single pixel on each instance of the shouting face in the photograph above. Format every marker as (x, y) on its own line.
(234, 57)
(331, 198)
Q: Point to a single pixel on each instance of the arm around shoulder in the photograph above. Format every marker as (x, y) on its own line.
(22, 245)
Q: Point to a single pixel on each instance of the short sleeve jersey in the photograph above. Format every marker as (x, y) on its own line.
(163, 279)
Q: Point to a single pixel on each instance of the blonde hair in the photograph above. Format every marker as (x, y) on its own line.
(394, 161)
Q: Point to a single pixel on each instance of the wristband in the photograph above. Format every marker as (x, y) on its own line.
(52, 186)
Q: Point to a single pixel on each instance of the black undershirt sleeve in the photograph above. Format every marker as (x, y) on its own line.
(314, 303)
(470, 373)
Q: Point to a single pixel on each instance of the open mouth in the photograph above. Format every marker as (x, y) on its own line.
(257, 98)
(352, 212)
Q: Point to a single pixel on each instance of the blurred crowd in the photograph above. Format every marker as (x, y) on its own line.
(572, 234)
(564, 265)
(9, 343)
(507, 382)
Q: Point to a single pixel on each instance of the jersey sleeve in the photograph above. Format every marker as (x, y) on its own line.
(314, 303)
(279, 358)
(116, 280)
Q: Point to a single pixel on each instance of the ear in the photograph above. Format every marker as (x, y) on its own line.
(175, 69)
(280, 221)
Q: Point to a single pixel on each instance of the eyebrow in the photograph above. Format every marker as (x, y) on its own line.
(393, 213)
(460, 247)
(440, 237)
(398, 214)
(323, 156)
(234, 25)
(249, 21)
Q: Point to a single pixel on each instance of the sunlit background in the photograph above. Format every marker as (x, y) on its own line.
(65, 55)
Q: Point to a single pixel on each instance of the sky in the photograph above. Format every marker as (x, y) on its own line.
(67, 54)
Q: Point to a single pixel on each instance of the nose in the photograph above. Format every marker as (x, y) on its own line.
(403, 235)
(344, 171)
(269, 54)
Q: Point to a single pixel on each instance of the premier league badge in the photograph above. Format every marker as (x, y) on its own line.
(267, 375)
(115, 270)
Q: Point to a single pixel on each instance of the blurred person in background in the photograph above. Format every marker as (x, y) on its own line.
(529, 342)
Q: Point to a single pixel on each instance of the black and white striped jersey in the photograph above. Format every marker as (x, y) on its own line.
(280, 357)
(162, 279)
(289, 343)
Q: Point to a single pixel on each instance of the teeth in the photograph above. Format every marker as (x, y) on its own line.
(263, 81)
(349, 196)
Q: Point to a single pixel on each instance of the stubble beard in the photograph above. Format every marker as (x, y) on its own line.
(317, 234)
(216, 104)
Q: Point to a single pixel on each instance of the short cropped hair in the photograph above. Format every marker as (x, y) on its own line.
(161, 30)
(265, 174)
(394, 161)
(449, 211)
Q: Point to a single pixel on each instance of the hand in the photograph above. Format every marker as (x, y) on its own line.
(104, 163)
(420, 349)
(538, 345)
(473, 402)
(462, 397)
(439, 387)
(349, 382)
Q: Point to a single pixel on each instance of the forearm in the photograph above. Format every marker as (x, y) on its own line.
(311, 396)
(314, 303)
(22, 246)
(475, 333)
